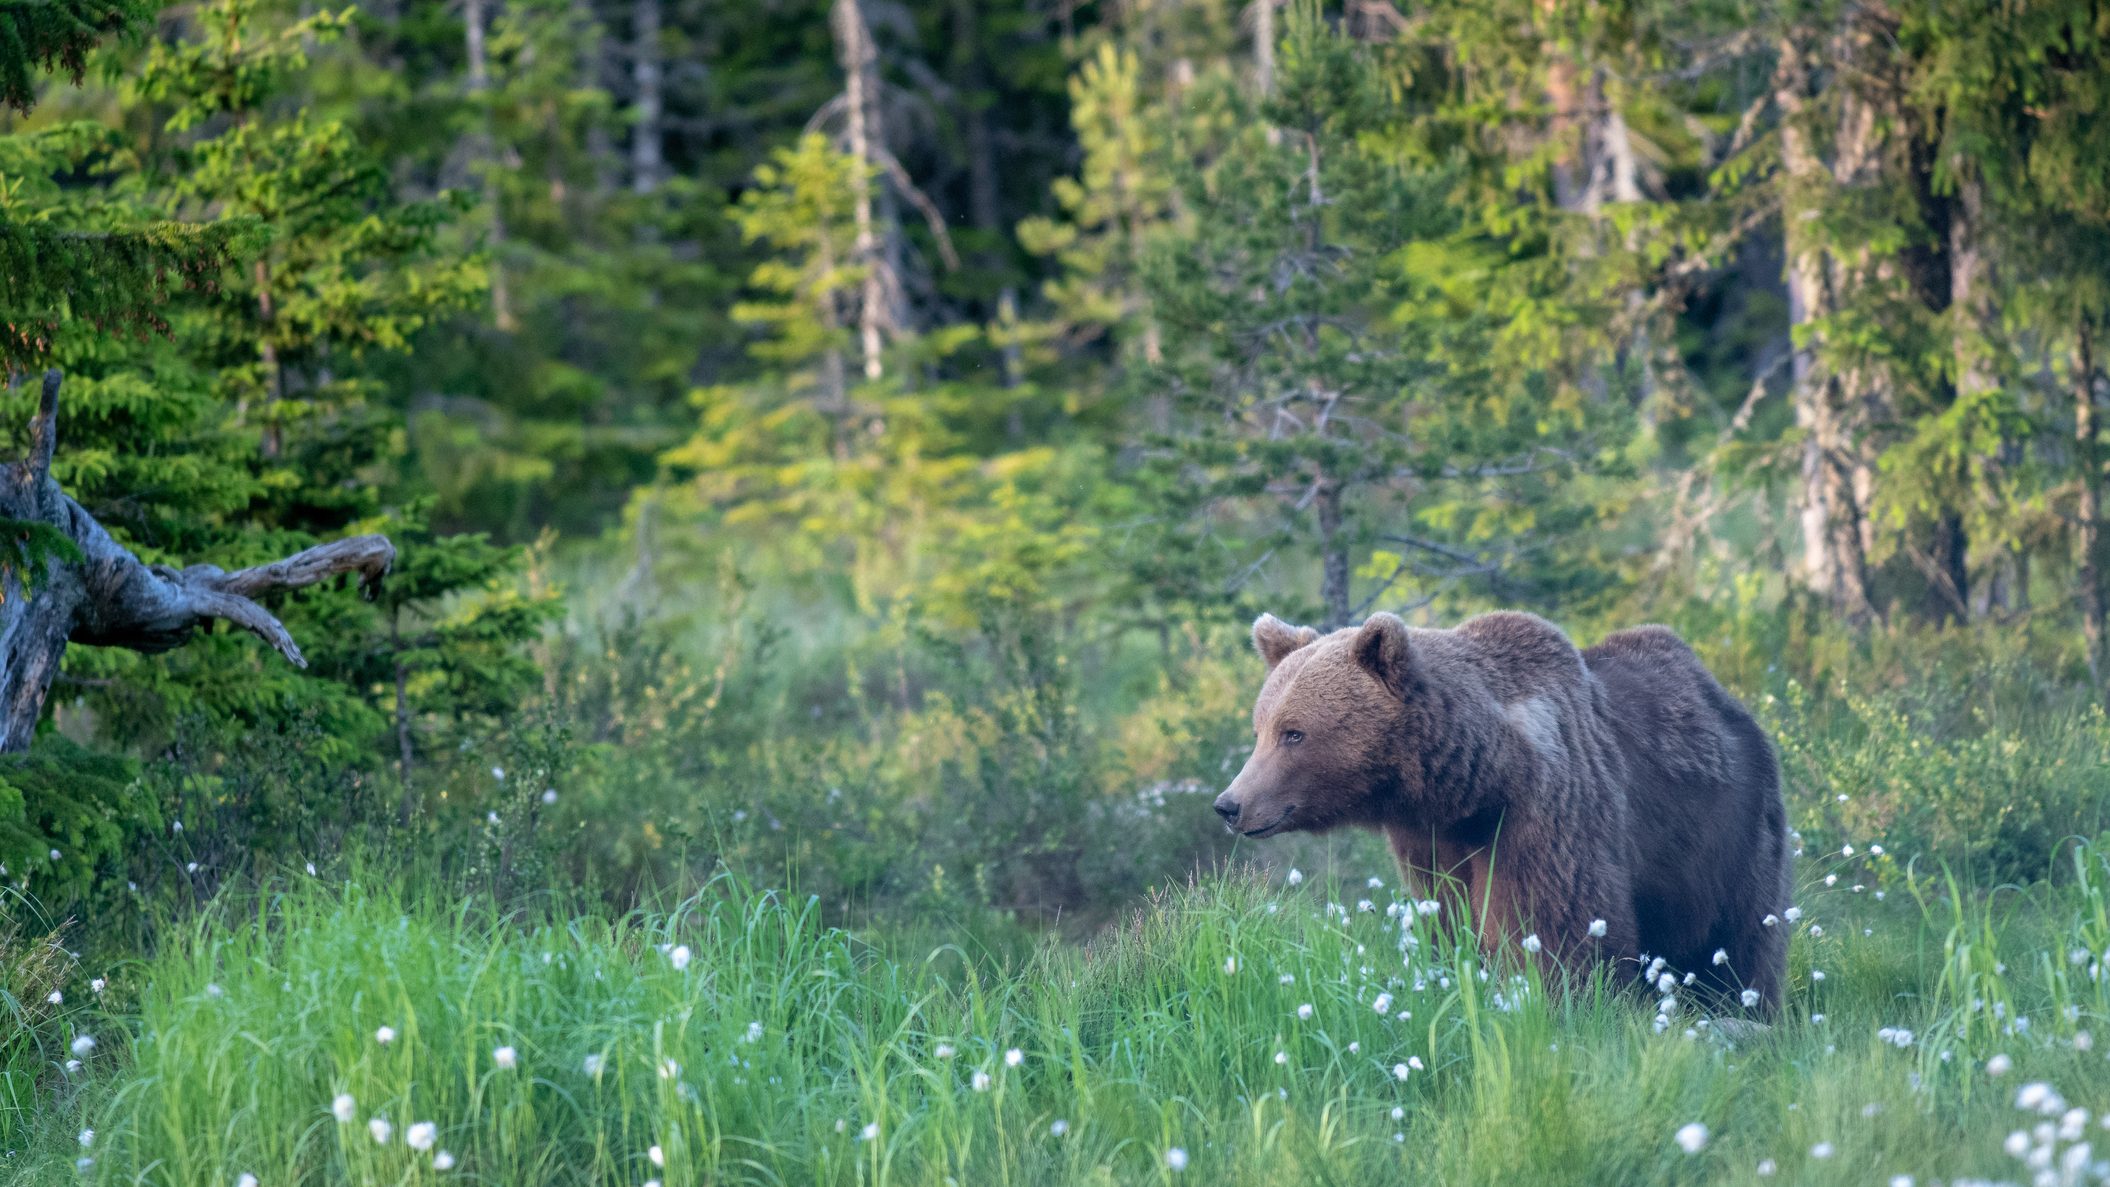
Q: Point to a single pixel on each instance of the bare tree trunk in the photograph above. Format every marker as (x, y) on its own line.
(1333, 552)
(1835, 477)
(1264, 46)
(872, 250)
(594, 74)
(647, 159)
(2088, 508)
(86, 588)
(482, 155)
(403, 750)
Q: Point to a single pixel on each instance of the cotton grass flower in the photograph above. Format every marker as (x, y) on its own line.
(245, 1179)
(1999, 1065)
(1749, 997)
(592, 1065)
(385, 1035)
(1822, 1151)
(945, 1051)
(1295, 876)
(980, 1080)
(1304, 1012)
(1175, 1159)
(656, 1156)
(421, 1136)
(869, 1133)
(381, 1130)
(83, 1045)
(1597, 927)
(668, 1069)
(1383, 1004)
(55, 997)
(344, 1108)
(86, 1138)
(96, 986)
(506, 1058)
(754, 1032)
(443, 1161)
(679, 957)
(1692, 1138)
(1058, 1127)
(1531, 943)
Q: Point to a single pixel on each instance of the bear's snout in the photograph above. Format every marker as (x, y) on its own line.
(1227, 808)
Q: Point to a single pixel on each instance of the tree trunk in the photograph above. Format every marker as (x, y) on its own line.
(67, 582)
(647, 161)
(872, 251)
(482, 154)
(1264, 47)
(2088, 508)
(1836, 478)
(1333, 552)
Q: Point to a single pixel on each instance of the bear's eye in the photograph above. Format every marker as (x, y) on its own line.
(1292, 737)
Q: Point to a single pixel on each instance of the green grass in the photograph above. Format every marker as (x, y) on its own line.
(771, 1054)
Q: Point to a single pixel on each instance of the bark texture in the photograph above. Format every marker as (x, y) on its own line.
(107, 597)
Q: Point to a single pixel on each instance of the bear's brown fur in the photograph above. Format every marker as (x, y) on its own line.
(1535, 787)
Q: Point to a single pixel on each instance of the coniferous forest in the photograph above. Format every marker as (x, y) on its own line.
(657, 591)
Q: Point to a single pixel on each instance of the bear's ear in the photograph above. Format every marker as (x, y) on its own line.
(1274, 639)
(1382, 649)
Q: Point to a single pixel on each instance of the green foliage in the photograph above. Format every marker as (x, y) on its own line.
(56, 35)
(1232, 1020)
(35, 546)
(70, 820)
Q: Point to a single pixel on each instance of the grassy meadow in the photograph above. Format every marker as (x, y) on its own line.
(1244, 1028)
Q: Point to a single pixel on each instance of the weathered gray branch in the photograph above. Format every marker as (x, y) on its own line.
(110, 598)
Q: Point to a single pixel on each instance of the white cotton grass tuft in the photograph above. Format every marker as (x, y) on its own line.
(869, 1133)
(1531, 943)
(83, 1045)
(1383, 1004)
(592, 1064)
(86, 1138)
(980, 1081)
(945, 1051)
(1823, 1150)
(1597, 927)
(1175, 1159)
(245, 1179)
(1304, 1012)
(443, 1161)
(421, 1136)
(1058, 1127)
(1230, 965)
(344, 1108)
(1749, 997)
(506, 1058)
(1295, 876)
(656, 1156)
(1692, 1137)
(679, 957)
(385, 1035)
(1999, 1065)
(381, 1130)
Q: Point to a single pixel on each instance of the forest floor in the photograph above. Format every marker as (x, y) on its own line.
(1237, 1031)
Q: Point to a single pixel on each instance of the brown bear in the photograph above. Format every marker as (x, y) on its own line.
(1616, 803)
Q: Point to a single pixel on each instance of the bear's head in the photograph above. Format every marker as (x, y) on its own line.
(1329, 727)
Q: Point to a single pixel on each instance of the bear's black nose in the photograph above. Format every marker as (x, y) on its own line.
(1227, 808)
